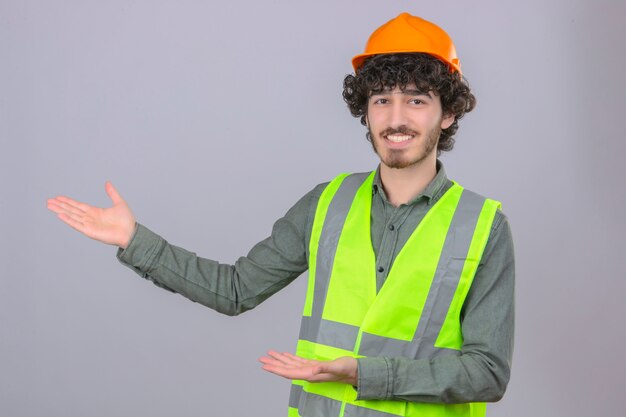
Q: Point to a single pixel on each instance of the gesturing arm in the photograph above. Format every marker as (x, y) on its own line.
(231, 289)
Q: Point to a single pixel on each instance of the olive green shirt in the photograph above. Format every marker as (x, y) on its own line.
(479, 374)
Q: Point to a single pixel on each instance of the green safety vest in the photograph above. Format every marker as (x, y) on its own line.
(416, 313)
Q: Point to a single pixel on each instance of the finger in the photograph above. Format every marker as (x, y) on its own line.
(59, 208)
(76, 217)
(289, 373)
(113, 194)
(73, 223)
(274, 369)
(276, 359)
(69, 208)
(296, 358)
(73, 203)
(266, 360)
(304, 373)
(283, 358)
(54, 206)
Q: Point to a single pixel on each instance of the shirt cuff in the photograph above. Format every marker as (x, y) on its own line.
(142, 250)
(374, 379)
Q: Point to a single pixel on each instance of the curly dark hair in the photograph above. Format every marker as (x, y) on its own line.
(428, 73)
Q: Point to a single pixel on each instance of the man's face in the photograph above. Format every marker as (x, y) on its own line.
(404, 126)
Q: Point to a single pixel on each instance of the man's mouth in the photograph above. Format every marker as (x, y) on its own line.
(397, 138)
(400, 135)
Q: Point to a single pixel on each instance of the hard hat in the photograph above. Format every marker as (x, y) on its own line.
(407, 33)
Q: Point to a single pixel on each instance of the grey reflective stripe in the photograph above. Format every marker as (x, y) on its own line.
(448, 272)
(294, 395)
(330, 333)
(442, 289)
(373, 345)
(313, 405)
(331, 230)
(354, 411)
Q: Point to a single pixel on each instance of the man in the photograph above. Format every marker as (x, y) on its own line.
(409, 309)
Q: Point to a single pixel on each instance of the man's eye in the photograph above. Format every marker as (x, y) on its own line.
(417, 101)
(381, 101)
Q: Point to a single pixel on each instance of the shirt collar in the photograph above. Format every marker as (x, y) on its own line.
(433, 189)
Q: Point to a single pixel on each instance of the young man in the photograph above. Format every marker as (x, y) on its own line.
(409, 309)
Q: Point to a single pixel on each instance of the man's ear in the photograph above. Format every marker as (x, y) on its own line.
(447, 121)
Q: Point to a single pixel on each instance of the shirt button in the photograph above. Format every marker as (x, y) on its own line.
(391, 227)
(381, 269)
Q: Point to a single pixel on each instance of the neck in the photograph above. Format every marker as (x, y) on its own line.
(402, 185)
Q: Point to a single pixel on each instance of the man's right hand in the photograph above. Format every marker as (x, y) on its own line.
(114, 225)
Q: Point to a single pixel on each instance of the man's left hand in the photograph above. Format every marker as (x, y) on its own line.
(290, 366)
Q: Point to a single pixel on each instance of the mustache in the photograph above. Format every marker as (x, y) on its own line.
(402, 130)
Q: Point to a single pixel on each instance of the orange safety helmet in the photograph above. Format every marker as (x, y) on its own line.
(407, 33)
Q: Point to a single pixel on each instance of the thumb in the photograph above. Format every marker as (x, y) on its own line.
(320, 369)
(113, 194)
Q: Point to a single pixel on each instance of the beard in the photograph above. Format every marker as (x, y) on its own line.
(401, 158)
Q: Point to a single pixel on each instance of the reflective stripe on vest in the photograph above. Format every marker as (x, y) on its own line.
(416, 313)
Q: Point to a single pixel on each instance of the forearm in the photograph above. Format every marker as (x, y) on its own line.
(479, 374)
(229, 289)
(451, 379)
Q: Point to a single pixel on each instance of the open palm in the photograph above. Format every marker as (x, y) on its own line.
(287, 365)
(113, 225)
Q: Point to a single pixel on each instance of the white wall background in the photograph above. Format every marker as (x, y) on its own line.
(200, 112)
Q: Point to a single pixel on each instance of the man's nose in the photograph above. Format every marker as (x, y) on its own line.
(397, 116)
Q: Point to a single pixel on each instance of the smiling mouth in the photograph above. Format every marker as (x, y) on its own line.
(398, 138)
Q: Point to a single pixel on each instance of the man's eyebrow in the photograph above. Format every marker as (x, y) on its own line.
(415, 92)
(407, 91)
